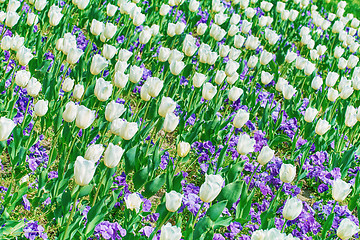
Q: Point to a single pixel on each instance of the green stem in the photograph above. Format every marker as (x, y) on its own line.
(159, 226)
(71, 214)
(69, 152)
(283, 228)
(26, 111)
(197, 215)
(252, 175)
(97, 191)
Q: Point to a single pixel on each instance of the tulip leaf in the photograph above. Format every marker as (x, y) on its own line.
(154, 186)
(202, 227)
(327, 225)
(215, 210)
(140, 177)
(231, 192)
(278, 139)
(11, 228)
(130, 159)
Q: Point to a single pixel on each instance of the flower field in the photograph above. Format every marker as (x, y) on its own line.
(179, 119)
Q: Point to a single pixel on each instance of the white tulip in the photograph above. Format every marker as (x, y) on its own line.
(322, 126)
(70, 112)
(245, 144)
(83, 171)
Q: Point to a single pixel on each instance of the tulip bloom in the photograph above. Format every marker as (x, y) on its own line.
(211, 188)
(83, 171)
(173, 201)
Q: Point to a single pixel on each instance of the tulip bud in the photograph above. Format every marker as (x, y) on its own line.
(235, 19)
(41, 108)
(252, 43)
(352, 61)
(346, 92)
(85, 117)
(109, 51)
(40, 4)
(54, 15)
(111, 10)
(266, 77)
(220, 77)
(208, 91)
(94, 152)
(241, 118)
(11, 19)
(70, 112)
(169, 232)
(285, 15)
(292, 208)
(310, 114)
(17, 42)
(22, 78)
(293, 15)
(176, 67)
(246, 26)
(33, 87)
(171, 121)
(103, 89)
(266, 6)
(133, 202)
(114, 110)
(201, 29)
(173, 201)
(198, 79)
(179, 27)
(217, 32)
(265, 155)
(175, 55)
(253, 60)
(340, 190)
(265, 57)
(287, 173)
(155, 86)
(309, 68)
(332, 94)
(83, 171)
(194, 5)
(32, 19)
(98, 64)
(6, 43)
(109, 30)
(124, 129)
(167, 105)
(316, 82)
(347, 229)
(6, 127)
(112, 155)
(342, 63)
(164, 9)
(350, 116)
(250, 13)
(135, 74)
(235, 93)
(74, 55)
(12, 6)
(322, 126)
(24, 56)
(211, 188)
(183, 149)
(245, 144)
(120, 79)
(331, 79)
(97, 27)
(145, 35)
(224, 50)
(164, 54)
(290, 57)
(189, 46)
(280, 7)
(233, 30)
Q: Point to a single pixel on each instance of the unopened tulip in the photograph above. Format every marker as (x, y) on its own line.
(83, 171)
(164, 9)
(342, 63)
(169, 232)
(111, 10)
(211, 188)
(98, 64)
(124, 129)
(24, 56)
(350, 116)
(322, 126)
(32, 19)
(246, 26)
(135, 74)
(253, 60)
(179, 28)
(287, 173)
(74, 55)
(54, 15)
(346, 92)
(241, 118)
(113, 110)
(6, 43)
(281, 84)
(173, 201)
(68, 84)
(252, 43)
(331, 79)
(171, 121)
(33, 87)
(11, 19)
(167, 105)
(164, 54)
(292, 209)
(265, 57)
(94, 152)
(112, 155)
(208, 91)
(133, 202)
(145, 35)
(224, 50)
(310, 114)
(340, 190)
(352, 61)
(97, 27)
(288, 91)
(220, 77)
(103, 89)
(70, 112)
(40, 4)
(22, 78)
(85, 117)
(41, 108)
(194, 5)
(347, 229)
(234, 53)
(235, 93)
(250, 13)
(266, 77)
(293, 15)
(245, 144)
(6, 127)
(316, 82)
(201, 29)
(183, 149)
(109, 51)
(198, 79)
(235, 19)
(220, 18)
(239, 41)
(290, 57)
(265, 155)
(217, 32)
(332, 94)
(233, 78)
